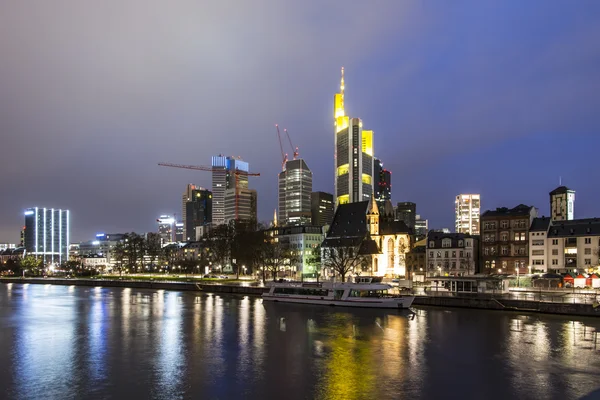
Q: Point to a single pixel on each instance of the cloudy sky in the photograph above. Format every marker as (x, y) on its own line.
(493, 97)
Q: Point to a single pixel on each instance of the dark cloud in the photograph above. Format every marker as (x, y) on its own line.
(93, 95)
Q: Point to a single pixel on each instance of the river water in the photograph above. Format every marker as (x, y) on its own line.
(66, 342)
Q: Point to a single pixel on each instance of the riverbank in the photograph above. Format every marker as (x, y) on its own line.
(586, 310)
(143, 284)
(486, 303)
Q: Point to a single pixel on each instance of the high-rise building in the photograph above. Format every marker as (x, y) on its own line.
(166, 225)
(321, 208)
(421, 228)
(383, 183)
(240, 206)
(562, 204)
(188, 195)
(353, 156)
(407, 211)
(295, 188)
(467, 212)
(198, 211)
(225, 172)
(179, 228)
(47, 234)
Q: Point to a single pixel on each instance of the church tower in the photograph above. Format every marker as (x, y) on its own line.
(373, 217)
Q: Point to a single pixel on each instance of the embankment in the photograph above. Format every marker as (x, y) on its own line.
(138, 284)
(509, 305)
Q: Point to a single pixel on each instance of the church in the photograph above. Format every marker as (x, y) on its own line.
(380, 241)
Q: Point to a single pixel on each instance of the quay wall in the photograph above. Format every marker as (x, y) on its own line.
(509, 305)
(137, 284)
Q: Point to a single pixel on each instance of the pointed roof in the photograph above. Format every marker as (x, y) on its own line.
(349, 220)
(373, 209)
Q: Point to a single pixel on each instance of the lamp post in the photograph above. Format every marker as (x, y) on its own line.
(517, 269)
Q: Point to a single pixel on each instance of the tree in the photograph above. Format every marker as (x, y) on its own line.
(342, 259)
(170, 254)
(219, 242)
(314, 260)
(466, 263)
(118, 253)
(153, 248)
(32, 263)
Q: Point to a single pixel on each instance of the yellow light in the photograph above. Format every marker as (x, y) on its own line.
(367, 142)
(341, 123)
(344, 199)
(366, 179)
(343, 169)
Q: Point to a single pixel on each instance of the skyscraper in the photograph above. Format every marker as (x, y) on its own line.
(187, 196)
(321, 208)
(295, 187)
(353, 156)
(407, 211)
(166, 225)
(383, 183)
(225, 172)
(198, 211)
(47, 234)
(467, 212)
(240, 206)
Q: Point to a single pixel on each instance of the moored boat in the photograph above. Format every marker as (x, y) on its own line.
(367, 292)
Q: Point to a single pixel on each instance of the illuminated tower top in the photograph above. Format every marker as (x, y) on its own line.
(339, 113)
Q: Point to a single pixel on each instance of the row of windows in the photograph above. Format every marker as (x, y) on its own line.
(521, 223)
(504, 264)
(504, 250)
(447, 254)
(518, 236)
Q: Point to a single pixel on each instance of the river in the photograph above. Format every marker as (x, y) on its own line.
(66, 342)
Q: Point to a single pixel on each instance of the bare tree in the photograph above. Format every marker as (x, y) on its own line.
(153, 247)
(342, 259)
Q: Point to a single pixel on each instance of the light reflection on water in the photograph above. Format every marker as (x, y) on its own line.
(95, 343)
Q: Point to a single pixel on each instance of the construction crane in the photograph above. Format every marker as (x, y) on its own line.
(236, 173)
(294, 149)
(284, 156)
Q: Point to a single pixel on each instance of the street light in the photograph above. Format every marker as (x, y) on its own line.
(517, 269)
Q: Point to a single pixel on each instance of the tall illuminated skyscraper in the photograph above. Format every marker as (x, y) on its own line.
(47, 234)
(225, 171)
(295, 187)
(468, 211)
(166, 225)
(353, 156)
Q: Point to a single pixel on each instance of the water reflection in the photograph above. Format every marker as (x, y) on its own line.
(96, 343)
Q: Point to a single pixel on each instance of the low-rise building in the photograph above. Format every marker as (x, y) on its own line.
(451, 254)
(94, 261)
(416, 262)
(505, 239)
(565, 245)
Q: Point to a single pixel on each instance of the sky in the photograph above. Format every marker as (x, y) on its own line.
(499, 98)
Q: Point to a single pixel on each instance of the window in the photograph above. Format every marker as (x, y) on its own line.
(537, 252)
(431, 244)
(453, 264)
(453, 253)
(446, 243)
(504, 224)
(538, 262)
(431, 254)
(460, 243)
(522, 251)
(523, 223)
(554, 252)
(486, 251)
(587, 261)
(554, 241)
(537, 243)
(504, 236)
(520, 236)
(446, 254)
(439, 254)
(587, 251)
(504, 250)
(460, 254)
(504, 264)
(554, 261)
(588, 240)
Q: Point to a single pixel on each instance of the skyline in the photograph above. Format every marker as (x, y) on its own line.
(512, 96)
